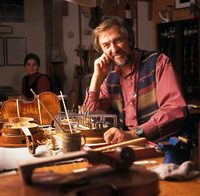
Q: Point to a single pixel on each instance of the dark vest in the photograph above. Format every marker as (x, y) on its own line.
(146, 90)
(26, 90)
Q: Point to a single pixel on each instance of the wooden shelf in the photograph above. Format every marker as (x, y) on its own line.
(180, 41)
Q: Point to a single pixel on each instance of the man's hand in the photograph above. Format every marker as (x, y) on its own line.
(102, 66)
(115, 135)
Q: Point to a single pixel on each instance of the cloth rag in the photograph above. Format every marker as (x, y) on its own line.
(174, 172)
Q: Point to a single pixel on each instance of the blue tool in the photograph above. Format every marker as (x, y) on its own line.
(176, 150)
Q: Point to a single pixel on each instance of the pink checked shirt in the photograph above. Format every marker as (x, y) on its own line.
(172, 106)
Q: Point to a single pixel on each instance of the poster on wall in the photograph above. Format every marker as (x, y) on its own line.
(183, 3)
(16, 50)
(2, 57)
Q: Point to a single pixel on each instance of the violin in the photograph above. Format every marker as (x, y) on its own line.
(33, 109)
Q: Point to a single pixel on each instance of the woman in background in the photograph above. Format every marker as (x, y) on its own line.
(34, 79)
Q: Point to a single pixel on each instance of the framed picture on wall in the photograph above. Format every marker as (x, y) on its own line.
(6, 29)
(16, 50)
(12, 11)
(2, 54)
(183, 3)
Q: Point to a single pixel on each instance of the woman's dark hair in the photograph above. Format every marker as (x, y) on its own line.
(32, 56)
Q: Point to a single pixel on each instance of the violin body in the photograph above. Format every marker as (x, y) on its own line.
(33, 109)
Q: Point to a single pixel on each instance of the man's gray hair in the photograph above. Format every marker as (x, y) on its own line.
(106, 24)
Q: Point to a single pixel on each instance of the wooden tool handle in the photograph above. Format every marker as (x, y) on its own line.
(138, 141)
(26, 167)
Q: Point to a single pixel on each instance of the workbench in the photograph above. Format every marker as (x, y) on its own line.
(12, 185)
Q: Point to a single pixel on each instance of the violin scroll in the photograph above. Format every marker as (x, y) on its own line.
(31, 145)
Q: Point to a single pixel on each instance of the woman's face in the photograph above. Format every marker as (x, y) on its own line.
(31, 67)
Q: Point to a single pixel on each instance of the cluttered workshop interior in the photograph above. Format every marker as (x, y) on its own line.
(55, 139)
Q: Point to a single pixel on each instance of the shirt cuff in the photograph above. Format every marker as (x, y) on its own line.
(149, 129)
(93, 95)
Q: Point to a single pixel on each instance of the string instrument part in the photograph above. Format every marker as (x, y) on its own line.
(13, 126)
(12, 134)
(20, 108)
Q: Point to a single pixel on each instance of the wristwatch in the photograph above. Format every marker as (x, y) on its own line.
(139, 132)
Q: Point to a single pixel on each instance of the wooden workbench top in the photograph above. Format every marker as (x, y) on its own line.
(13, 185)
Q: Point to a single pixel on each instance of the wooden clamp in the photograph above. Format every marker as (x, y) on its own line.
(122, 160)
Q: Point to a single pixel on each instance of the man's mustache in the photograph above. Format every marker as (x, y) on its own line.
(128, 56)
(119, 52)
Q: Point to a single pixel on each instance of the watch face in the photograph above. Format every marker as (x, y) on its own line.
(139, 131)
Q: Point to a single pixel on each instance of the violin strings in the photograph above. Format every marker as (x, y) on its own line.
(64, 105)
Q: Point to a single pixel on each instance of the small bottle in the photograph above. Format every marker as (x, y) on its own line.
(128, 17)
(185, 33)
(128, 12)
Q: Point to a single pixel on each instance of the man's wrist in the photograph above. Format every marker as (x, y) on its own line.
(139, 132)
(95, 83)
(98, 77)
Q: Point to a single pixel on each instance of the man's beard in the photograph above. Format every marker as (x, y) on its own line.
(124, 59)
